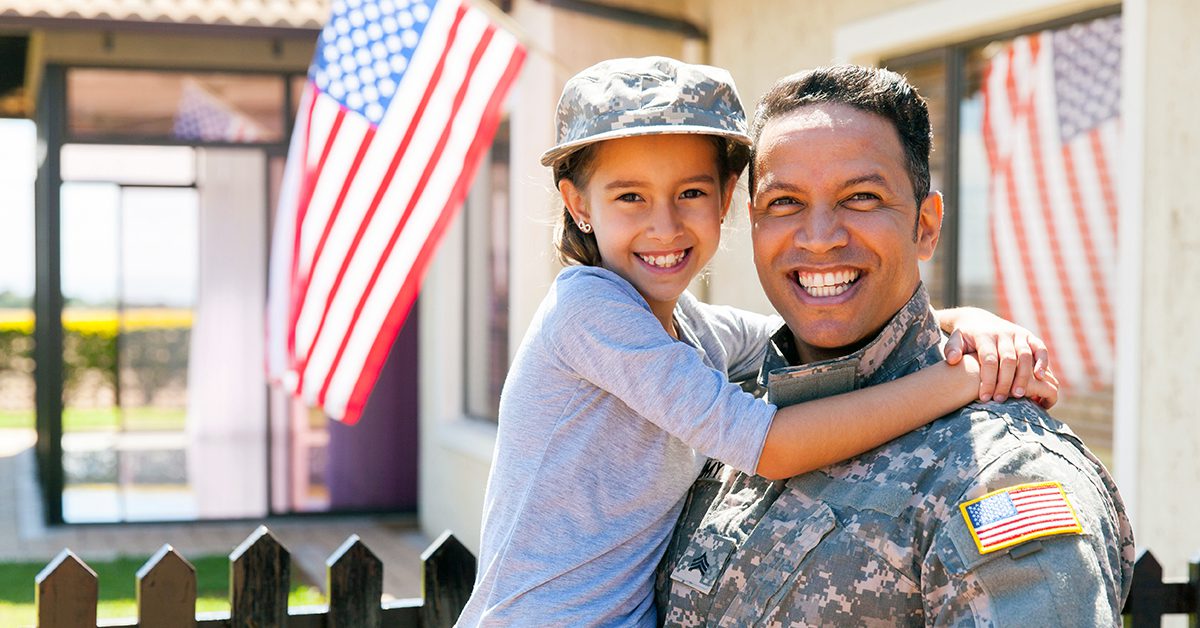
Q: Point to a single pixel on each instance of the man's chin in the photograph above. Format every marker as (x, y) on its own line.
(824, 341)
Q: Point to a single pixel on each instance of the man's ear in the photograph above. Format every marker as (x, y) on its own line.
(573, 198)
(929, 225)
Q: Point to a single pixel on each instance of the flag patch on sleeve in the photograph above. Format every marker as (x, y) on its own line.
(1019, 513)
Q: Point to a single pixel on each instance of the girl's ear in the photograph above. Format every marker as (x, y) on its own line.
(573, 198)
(727, 195)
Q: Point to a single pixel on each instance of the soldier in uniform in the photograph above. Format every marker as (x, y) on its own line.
(993, 515)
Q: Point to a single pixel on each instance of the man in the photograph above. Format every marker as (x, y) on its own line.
(993, 515)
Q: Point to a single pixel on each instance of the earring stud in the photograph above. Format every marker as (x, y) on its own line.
(585, 227)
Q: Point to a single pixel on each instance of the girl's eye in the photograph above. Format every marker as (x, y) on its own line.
(692, 193)
(629, 197)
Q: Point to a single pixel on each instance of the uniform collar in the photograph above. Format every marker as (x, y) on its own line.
(909, 342)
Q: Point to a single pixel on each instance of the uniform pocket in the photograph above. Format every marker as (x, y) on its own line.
(764, 587)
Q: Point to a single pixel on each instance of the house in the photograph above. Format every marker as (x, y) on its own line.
(1119, 285)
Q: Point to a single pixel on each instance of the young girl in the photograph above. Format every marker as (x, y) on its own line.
(620, 391)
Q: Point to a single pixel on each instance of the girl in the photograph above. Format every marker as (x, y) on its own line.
(620, 391)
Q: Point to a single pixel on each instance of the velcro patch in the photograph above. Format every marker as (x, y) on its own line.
(1019, 513)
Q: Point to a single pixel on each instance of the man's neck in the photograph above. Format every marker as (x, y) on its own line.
(908, 342)
(807, 354)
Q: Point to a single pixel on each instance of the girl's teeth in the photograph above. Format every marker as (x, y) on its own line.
(663, 261)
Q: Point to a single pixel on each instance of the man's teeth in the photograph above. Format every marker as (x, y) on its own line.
(827, 284)
(663, 261)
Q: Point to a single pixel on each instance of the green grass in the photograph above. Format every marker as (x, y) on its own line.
(98, 419)
(16, 419)
(118, 596)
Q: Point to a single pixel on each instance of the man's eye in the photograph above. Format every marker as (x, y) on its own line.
(692, 193)
(862, 201)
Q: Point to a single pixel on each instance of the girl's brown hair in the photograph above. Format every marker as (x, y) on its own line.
(575, 247)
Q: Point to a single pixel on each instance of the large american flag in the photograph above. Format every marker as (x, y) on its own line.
(1052, 132)
(402, 101)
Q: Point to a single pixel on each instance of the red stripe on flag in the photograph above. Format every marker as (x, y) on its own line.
(1094, 267)
(300, 283)
(1019, 107)
(435, 158)
(989, 144)
(381, 189)
(1104, 180)
(1046, 208)
(408, 292)
(308, 181)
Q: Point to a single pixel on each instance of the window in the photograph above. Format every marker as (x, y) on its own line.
(486, 281)
(184, 107)
(1026, 128)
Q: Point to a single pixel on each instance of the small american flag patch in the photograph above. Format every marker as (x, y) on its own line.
(1019, 513)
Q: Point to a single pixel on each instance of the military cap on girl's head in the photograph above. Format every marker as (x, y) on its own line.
(645, 96)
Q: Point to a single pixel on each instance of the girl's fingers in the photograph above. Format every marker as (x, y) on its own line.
(1041, 356)
(954, 349)
(1044, 391)
(989, 366)
(1008, 368)
(1025, 362)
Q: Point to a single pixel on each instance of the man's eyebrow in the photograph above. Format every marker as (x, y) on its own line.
(773, 186)
(874, 177)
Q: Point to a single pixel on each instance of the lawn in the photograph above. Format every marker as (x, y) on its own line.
(118, 597)
(92, 419)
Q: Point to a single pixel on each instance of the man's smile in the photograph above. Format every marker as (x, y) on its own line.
(828, 283)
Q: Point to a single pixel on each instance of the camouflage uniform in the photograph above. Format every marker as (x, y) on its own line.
(879, 540)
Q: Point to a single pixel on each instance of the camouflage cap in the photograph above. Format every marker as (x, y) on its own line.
(645, 96)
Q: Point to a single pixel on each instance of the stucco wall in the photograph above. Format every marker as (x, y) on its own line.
(1163, 365)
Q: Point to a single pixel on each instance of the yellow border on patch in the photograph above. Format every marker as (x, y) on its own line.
(1078, 529)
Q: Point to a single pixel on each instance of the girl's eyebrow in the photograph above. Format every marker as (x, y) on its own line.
(630, 183)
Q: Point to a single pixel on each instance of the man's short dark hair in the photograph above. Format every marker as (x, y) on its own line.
(873, 90)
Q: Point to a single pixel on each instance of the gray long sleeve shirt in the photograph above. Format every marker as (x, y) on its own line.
(605, 421)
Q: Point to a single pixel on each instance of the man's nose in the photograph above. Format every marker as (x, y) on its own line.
(821, 230)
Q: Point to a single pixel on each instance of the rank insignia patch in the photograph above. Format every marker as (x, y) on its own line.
(1019, 513)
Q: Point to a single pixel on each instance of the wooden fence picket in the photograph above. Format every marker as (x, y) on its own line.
(166, 591)
(260, 574)
(1150, 598)
(354, 579)
(66, 593)
(449, 573)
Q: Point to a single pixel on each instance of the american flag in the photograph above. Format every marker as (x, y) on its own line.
(202, 116)
(1017, 514)
(402, 101)
(1052, 132)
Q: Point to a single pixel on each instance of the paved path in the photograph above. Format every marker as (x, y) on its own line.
(310, 539)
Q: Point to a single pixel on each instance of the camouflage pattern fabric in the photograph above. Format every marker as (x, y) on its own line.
(879, 540)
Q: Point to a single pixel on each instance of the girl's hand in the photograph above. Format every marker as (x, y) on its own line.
(1012, 360)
